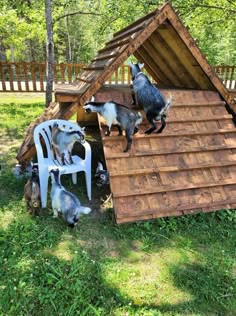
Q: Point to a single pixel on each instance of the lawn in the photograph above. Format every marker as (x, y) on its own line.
(171, 266)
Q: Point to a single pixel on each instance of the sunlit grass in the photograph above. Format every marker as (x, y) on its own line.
(176, 266)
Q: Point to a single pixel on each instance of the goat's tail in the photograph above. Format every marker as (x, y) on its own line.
(85, 210)
(139, 119)
(167, 106)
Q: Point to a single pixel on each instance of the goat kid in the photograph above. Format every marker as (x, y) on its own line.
(119, 115)
(101, 176)
(65, 202)
(63, 142)
(149, 98)
(32, 191)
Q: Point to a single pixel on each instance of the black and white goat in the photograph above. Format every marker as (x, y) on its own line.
(149, 98)
(119, 115)
(101, 175)
(63, 142)
(65, 202)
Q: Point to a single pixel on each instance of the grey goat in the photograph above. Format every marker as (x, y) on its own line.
(149, 98)
(119, 115)
(65, 202)
(101, 176)
(63, 141)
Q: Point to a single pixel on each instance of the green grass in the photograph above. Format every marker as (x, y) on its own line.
(175, 266)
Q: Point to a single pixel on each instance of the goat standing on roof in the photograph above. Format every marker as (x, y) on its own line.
(149, 98)
(117, 114)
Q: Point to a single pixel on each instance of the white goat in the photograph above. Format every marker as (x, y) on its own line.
(65, 202)
(63, 141)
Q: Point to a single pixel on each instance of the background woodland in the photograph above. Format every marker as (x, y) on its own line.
(80, 28)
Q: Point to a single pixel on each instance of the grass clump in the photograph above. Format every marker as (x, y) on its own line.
(171, 266)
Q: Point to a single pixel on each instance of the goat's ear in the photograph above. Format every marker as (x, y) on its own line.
(92, 99)
(141, 65)
(99, 167)
(83, 130)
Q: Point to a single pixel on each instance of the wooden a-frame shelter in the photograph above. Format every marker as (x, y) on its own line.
(191, 166)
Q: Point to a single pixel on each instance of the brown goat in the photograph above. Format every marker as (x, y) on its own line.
(32, 192)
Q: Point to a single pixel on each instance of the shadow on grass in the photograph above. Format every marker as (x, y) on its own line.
(49, 269)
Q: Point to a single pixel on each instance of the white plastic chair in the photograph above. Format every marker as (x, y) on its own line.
(46, 161)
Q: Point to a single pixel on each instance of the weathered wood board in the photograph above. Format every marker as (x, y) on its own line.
(190, 167)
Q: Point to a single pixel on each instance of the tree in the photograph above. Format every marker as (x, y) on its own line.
(50, 51)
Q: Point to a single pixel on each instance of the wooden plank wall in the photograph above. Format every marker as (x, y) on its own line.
(190, 167)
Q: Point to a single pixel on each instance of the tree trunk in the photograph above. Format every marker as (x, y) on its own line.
(50, 51)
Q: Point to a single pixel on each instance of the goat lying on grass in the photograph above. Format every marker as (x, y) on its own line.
(63, 142)
(32, 192)
(119, 115)
(65, 202)
(101, 176)
(149, 98)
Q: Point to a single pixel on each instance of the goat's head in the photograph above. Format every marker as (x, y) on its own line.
(101, 175)
(88, 105)
(55, 175)
(79, 135)
(135, 69)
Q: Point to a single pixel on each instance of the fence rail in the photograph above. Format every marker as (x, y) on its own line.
(31, 77)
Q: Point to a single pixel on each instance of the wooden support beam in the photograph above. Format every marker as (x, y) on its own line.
(93, 68)
(114, 45)
(85, 80)
(104, 57)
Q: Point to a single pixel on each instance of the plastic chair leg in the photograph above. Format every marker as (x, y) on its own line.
(88, 184)
(43, 178)
(74, 178)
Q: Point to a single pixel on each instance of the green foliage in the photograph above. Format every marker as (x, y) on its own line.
(82, 27)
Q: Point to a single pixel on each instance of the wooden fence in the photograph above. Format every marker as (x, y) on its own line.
(31, 77)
